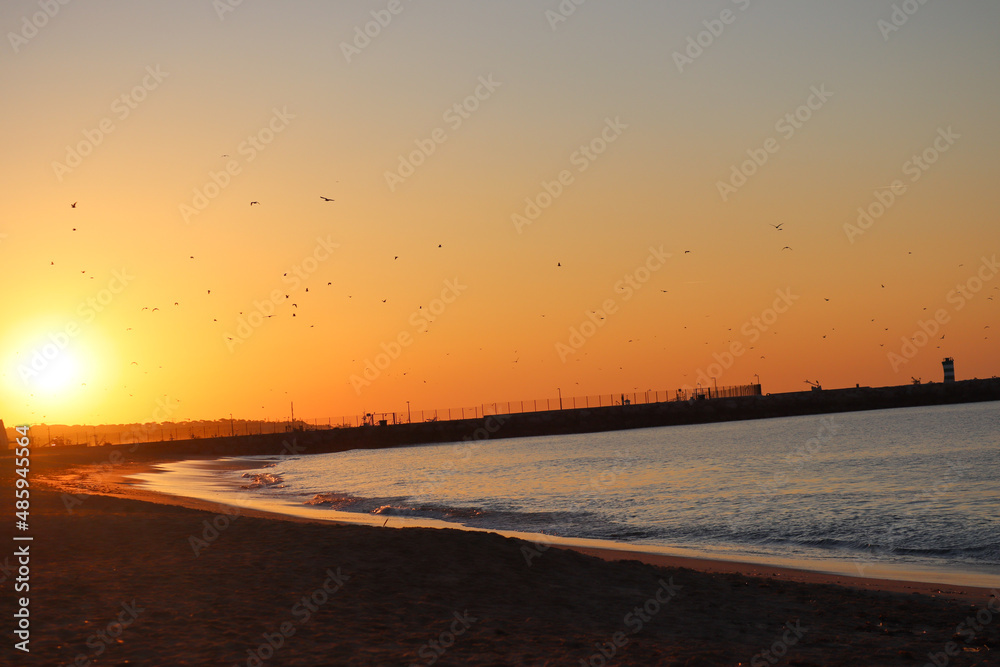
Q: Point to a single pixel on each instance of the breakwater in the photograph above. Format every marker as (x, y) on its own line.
(552, 422)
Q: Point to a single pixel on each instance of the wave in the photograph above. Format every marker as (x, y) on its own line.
(262, 480)
(563, 523)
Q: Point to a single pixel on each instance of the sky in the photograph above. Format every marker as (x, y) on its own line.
(528, 198)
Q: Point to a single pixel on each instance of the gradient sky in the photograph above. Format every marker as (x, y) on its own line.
(344, 121)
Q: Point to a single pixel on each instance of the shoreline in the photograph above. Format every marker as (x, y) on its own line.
(207, 585)
(122, 484)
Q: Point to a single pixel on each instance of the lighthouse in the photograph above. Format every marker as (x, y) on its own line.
(949, 369)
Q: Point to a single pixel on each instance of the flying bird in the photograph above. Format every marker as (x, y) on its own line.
(787, 247)
(255, 202)
(325, 198)
(779, 227)
(73, 205)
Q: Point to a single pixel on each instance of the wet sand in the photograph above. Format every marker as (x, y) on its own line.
(135, 579)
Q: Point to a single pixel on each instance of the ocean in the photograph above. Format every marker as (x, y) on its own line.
(911, 493)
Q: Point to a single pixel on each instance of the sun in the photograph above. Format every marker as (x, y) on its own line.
(58, 375)
(48, 365)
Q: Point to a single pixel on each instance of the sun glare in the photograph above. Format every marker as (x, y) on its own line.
(58, 376)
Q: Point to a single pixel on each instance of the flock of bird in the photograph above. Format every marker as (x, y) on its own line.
(777, 227)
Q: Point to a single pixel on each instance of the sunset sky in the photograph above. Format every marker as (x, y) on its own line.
(661, 143)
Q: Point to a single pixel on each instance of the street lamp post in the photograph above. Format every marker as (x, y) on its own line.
(559, 389)
(408, 413)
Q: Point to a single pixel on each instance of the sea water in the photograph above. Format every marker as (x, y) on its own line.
(876, 493)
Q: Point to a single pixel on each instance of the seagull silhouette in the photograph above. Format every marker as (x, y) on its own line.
(325, 198)
(255, 202)
(779, 227)
(73, 205)
(787, 247)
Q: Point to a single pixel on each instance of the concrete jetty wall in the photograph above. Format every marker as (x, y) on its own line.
(582, 420)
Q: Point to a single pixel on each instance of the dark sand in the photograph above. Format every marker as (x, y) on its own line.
(390, 593)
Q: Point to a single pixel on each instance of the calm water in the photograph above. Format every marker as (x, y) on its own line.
(913, 488)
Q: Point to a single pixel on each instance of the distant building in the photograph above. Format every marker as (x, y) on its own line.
(949, 369)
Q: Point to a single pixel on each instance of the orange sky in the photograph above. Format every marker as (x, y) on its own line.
(435, 138)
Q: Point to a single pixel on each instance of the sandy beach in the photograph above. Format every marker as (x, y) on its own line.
(131, 578)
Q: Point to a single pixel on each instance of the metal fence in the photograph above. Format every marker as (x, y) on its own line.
(156, 432)
(533, 405)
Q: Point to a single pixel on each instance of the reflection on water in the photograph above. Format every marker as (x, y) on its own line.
(912, 487)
